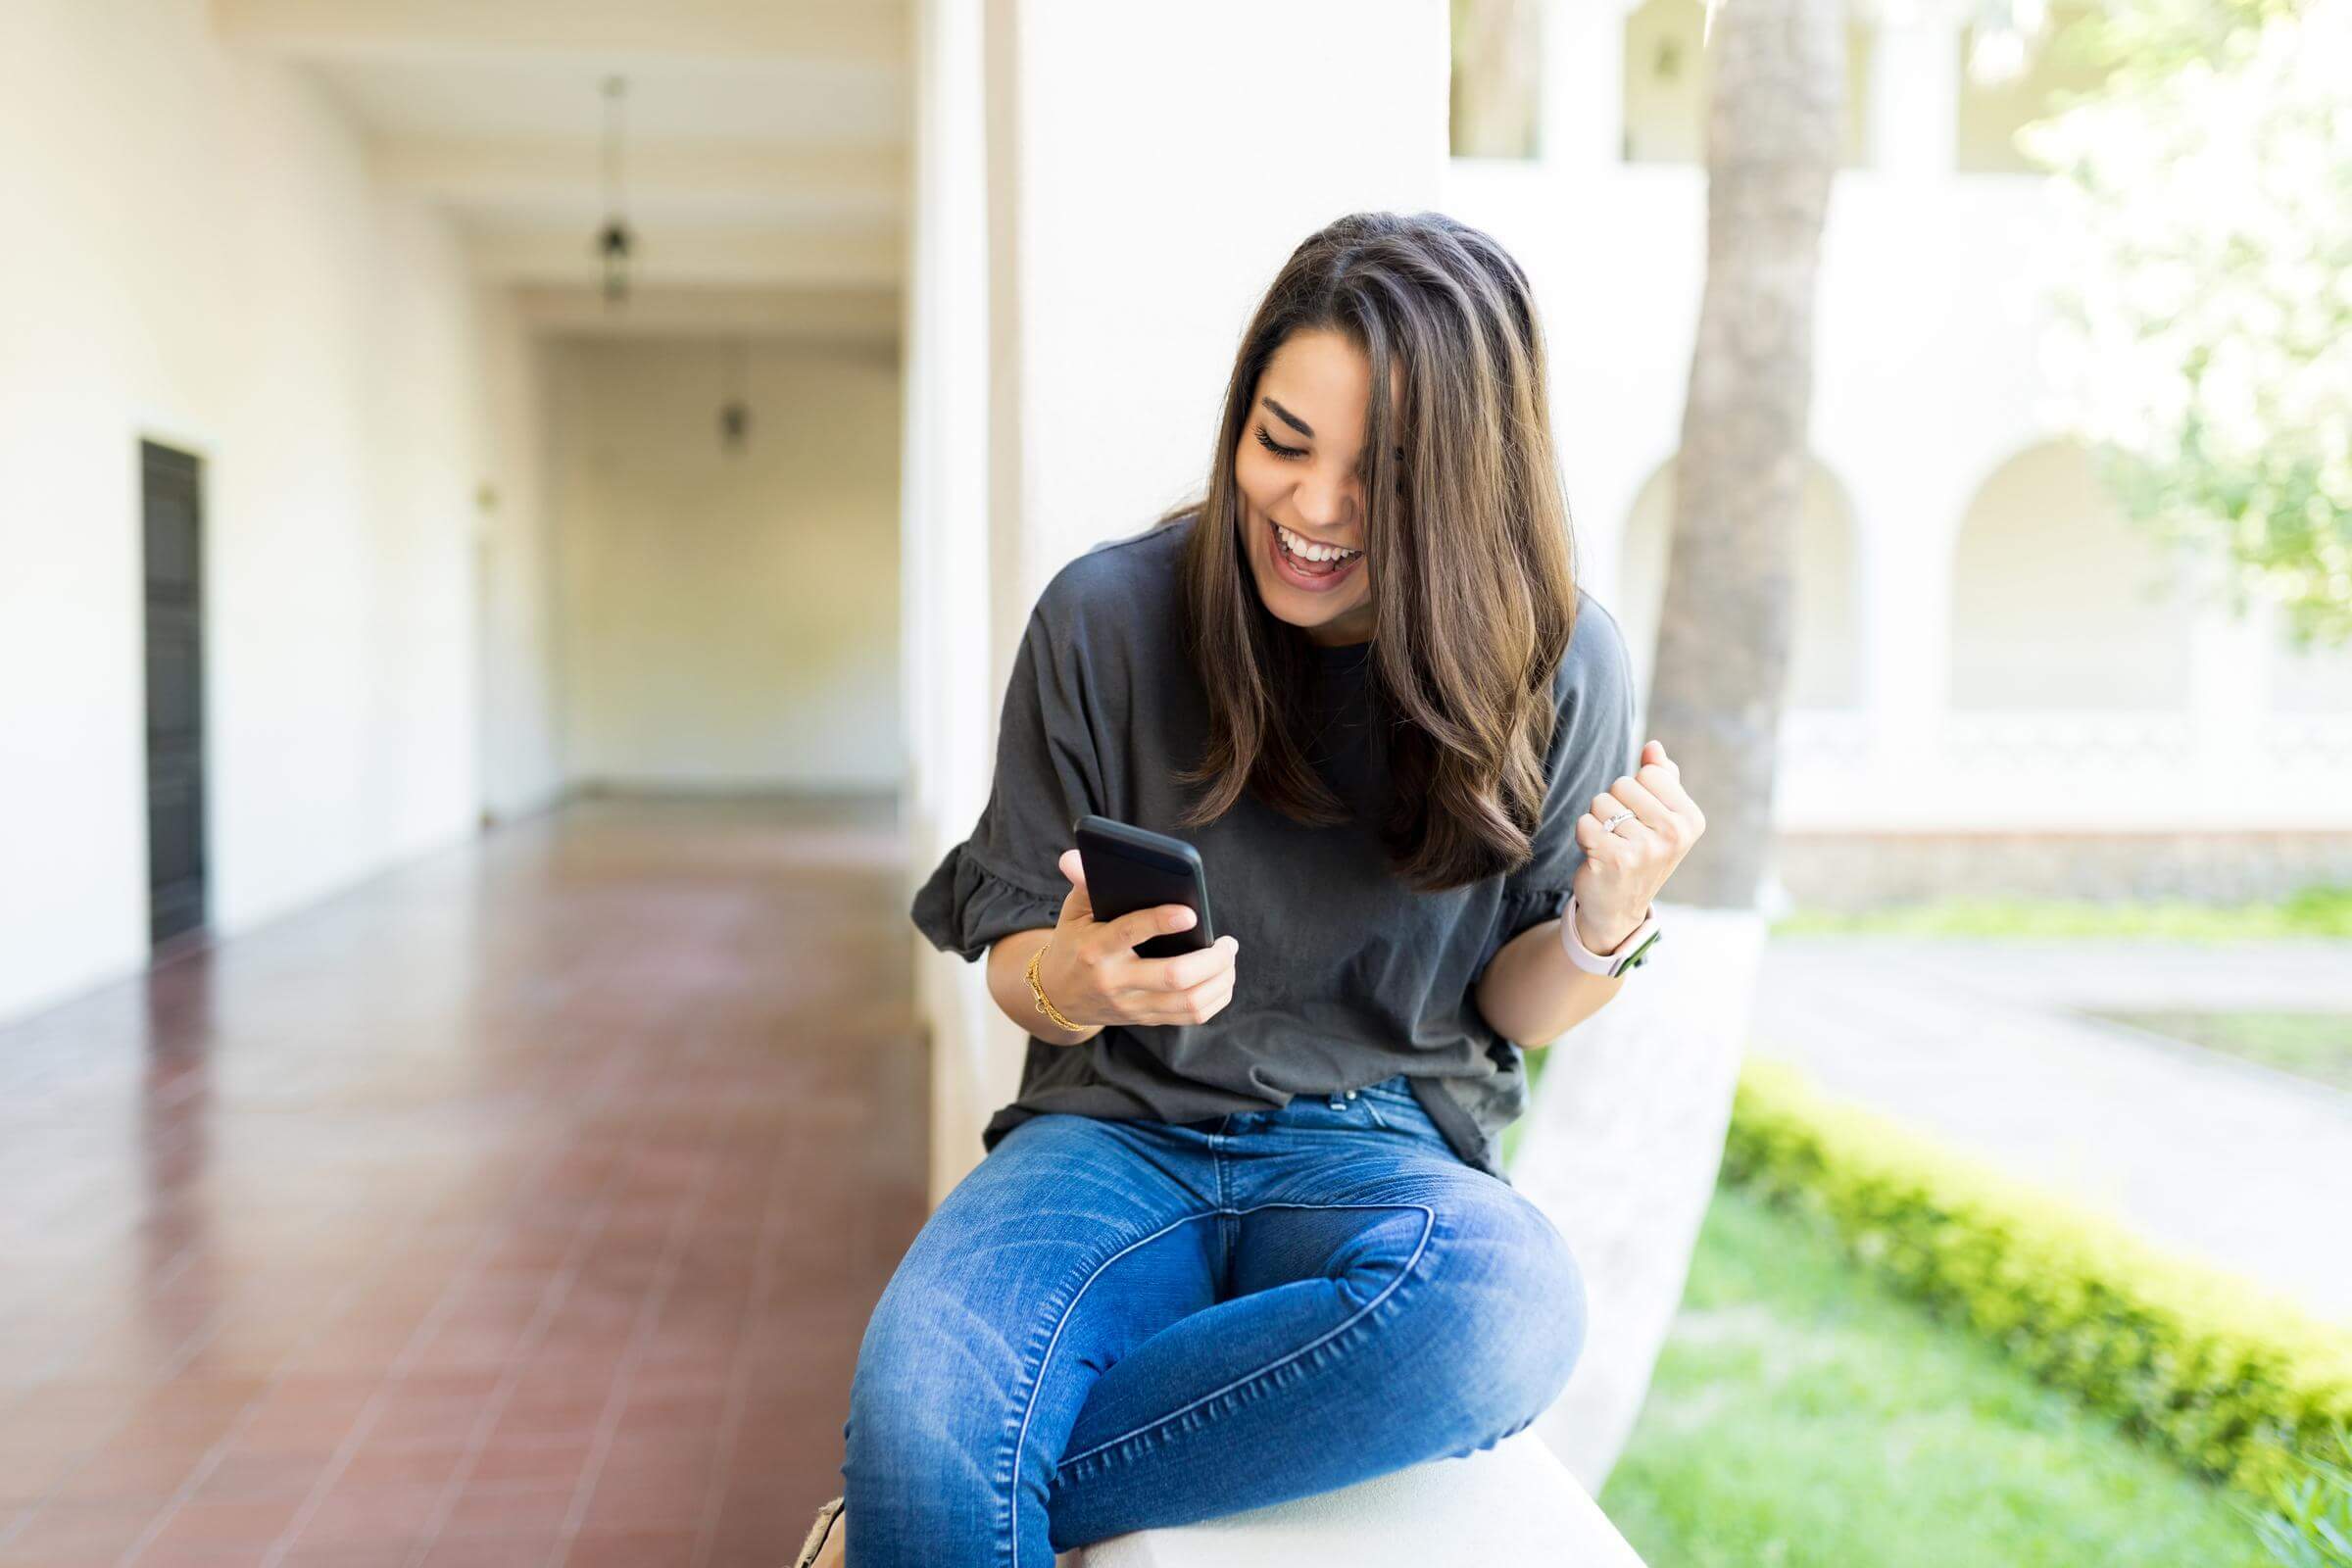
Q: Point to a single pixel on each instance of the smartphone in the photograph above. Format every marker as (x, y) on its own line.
(1130, 868)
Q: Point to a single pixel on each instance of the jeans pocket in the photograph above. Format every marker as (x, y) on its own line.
(1397, 1090)
(1391, 1104)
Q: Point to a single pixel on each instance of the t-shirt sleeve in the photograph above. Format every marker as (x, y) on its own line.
(1593, 746)
(1003, 877)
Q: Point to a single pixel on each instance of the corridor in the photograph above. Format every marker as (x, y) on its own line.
(521, 1206)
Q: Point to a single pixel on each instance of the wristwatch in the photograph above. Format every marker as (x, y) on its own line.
(1630, 955)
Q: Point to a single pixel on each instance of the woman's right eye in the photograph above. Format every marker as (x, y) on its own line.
(1276, 447)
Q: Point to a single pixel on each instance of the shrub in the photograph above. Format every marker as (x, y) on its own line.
(2233, 1383)
(2308, 1523)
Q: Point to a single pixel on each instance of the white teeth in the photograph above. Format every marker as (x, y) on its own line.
(1308, 550)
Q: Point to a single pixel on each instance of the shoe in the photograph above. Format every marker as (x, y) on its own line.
(817, 1533)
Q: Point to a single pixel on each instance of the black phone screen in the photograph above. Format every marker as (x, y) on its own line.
(1130, 868)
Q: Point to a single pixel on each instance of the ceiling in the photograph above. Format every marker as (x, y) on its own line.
(764, 163)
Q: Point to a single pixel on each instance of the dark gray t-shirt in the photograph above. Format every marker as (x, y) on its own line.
(1344, 975)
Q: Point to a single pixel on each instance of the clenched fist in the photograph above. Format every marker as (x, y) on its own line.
(1625, 867)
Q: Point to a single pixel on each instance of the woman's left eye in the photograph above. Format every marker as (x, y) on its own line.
(1276, 447)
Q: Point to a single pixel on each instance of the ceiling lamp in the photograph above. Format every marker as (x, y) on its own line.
(616, 240)
(735, 410)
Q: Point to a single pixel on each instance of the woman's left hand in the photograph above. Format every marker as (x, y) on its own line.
(1625, 867)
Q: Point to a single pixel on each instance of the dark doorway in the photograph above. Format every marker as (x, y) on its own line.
(175, 854)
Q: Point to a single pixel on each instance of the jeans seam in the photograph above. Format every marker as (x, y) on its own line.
(1216, 1163)
(1013, 1544)
(1429, 1225)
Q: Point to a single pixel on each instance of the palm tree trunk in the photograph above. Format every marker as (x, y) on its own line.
(1772, 135)
(1624, 1142)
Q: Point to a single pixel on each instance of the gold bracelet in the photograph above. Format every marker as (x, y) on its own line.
(1036, 989)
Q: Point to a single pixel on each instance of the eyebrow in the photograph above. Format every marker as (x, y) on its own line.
(1302, 427)
(1290, 419)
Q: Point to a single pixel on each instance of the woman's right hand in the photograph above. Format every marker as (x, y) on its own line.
(1092, 973)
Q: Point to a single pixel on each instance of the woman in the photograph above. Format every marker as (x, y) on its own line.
(1244, 1234)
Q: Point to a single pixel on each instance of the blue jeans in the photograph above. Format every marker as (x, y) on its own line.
(1114, 1325)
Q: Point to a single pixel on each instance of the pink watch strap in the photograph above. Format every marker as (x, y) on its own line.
(1630, 953)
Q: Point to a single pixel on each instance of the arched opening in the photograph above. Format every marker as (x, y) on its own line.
(1667, 73)
(2036, 83)
(1495, 105)
(1825, 665)
(2057, 601)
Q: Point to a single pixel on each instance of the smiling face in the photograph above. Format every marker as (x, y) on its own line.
(1300, 470)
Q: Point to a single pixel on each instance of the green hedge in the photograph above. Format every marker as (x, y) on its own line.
(2229, 1380)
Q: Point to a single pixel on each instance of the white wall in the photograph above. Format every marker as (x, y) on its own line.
(1146, 227)
(1111, 324)
(729, 620)
(195, 253)
(518, 675)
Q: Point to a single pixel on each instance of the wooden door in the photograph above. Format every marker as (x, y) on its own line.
(175, 842)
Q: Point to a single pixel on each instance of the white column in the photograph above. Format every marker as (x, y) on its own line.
(1915, 91)
(2229, 699)
(1168, 160)
(1584, 83)
(947, 631)
(1906, 526)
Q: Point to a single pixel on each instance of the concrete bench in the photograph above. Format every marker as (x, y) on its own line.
(1513, 1506)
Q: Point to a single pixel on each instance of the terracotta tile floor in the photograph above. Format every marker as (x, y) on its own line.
(522, 1206)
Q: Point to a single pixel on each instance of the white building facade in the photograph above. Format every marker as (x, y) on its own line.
(1992, 689)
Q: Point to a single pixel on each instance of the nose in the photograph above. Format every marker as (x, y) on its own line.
(1325, 507)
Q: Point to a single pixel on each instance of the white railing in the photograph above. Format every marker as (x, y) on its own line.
(2307, 744)
(2062, 770)
(2059, 740)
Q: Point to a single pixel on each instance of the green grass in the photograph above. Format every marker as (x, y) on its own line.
(2310, 1044)
(2313, 912)
(1804, 1417)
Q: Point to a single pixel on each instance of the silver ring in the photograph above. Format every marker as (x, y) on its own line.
(1610, 826)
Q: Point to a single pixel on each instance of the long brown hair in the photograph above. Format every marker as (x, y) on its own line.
(1466, 535)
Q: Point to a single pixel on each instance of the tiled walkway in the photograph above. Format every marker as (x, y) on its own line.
(521, 1208)
(1987, 1045)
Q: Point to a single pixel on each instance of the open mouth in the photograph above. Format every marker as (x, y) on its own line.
(1305, 570)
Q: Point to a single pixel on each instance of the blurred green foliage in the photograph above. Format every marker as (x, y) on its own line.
(2233, 1383)
(2205, 352)
(2323, 911)
(2308, 1523)
(2150, 40)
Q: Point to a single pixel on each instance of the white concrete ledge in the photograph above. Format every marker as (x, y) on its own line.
(1513, 1506)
